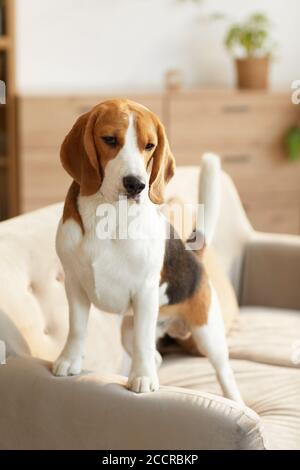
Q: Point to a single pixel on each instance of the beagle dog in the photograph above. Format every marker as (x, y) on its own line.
(119, 158)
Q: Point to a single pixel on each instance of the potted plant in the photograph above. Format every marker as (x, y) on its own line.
(250, 43)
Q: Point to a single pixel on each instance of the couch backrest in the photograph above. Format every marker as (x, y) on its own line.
(33, 306)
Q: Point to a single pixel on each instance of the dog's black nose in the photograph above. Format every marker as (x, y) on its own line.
(133, 185)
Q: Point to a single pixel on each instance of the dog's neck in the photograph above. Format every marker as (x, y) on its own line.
(117, 218)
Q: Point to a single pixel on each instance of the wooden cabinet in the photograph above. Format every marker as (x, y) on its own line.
(9, 185)
(43, 179)
(245, 128)
(277, 211)
(45, 121)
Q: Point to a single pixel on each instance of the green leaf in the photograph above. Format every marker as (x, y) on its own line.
(252, 35)
(292, 143)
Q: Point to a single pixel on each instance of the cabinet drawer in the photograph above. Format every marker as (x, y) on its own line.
(43, 180)
(154, 102)
(232, 124)
(273, 212)
(281, 178)
(44, 121)
(234, 157)
(275, 220)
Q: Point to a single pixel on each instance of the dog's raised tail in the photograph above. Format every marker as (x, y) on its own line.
(210, 193)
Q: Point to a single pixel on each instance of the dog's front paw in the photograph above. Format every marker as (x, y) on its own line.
(65, 365)
(139, 383)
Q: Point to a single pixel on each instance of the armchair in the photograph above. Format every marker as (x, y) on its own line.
(94, 410)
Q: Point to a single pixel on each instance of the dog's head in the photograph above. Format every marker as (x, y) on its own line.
(119, 148)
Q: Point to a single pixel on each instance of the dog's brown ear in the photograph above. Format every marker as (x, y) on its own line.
(163, 167)
(79, 156)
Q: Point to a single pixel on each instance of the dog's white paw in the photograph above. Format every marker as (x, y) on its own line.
(143, 383)
(64, 366)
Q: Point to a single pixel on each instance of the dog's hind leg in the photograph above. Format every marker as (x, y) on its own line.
(211, 342)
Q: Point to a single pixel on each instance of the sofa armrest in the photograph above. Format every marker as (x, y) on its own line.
(272, 271)
(40, 411)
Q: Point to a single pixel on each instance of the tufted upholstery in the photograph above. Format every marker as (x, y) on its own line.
(94, 410)
(32, 295)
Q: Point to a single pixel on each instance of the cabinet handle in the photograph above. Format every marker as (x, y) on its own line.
(236, 108)
(237, 158)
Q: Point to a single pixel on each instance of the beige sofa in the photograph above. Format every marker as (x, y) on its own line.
(94, 410)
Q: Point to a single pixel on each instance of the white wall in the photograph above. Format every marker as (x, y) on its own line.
(96, 45)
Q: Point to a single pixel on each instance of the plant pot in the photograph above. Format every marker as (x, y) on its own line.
(253, 72)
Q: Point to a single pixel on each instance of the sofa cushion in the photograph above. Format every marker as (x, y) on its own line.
(271, 391)
(266, 335)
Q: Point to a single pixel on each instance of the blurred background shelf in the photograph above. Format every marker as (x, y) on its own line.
(4, 42)
(9, 188)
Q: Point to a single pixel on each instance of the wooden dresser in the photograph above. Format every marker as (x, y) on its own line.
(9, 184)
(245, 128)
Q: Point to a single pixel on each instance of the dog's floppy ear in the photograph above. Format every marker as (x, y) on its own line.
(79, 156)
(163, 167)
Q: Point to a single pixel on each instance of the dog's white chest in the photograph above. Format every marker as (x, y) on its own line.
(118, 269)
(113, 270)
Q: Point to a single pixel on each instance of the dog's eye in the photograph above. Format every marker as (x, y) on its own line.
(149, 146)
(110, 140)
